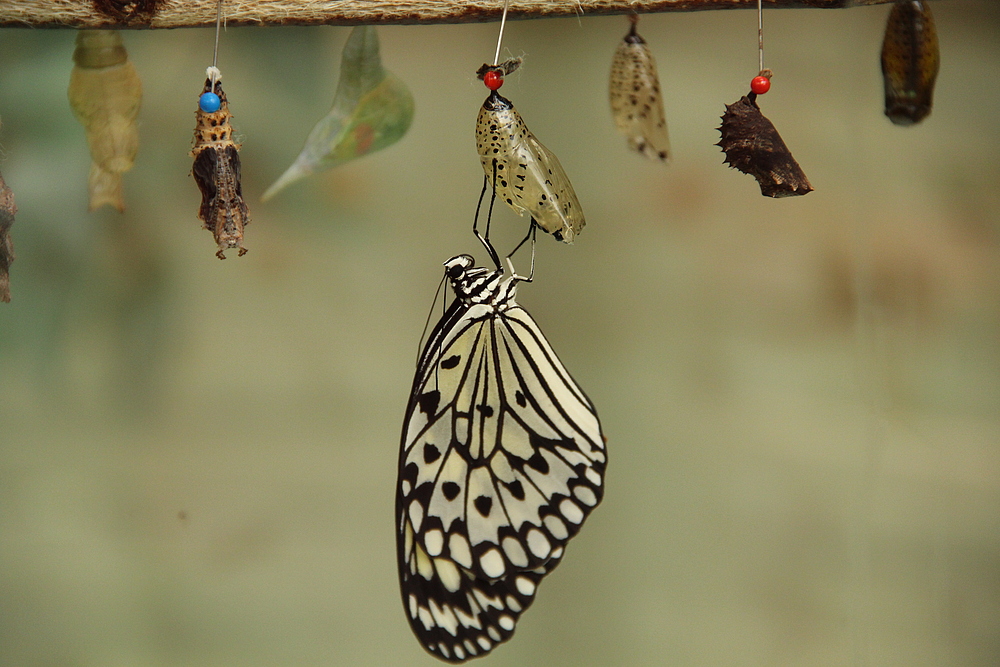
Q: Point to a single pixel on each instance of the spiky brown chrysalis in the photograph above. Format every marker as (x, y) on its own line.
(217, 168)
(910, 62)
(7, 211)
(753, 146)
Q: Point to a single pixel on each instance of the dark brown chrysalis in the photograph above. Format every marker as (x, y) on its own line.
(7, 211)
(217, 172)
(132, 12)
(910, 62)
(753, 146)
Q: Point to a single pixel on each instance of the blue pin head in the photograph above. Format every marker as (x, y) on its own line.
(209, 102)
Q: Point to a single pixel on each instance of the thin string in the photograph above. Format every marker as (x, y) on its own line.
(218, 28)
(760, 33)
(503, 22)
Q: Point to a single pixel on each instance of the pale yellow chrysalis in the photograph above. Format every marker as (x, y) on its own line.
(105, 93)
(524, 173)
(636, 101)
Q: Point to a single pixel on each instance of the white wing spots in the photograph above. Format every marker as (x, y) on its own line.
(469, 647)
(513, 604)
(636, 100)
(486, 601)
(416, 514)
(484, 643)
(557, 553)
(524, 173)
(458, 548)
(448, 574)
(525, 586)
(556, 527)
(516, 439)
(492, 564)
(424, 565)
(506, 622)
(593, 476)
(493, 633)
(571, 511)
(468, 622)
(434, 542)
(445, 618)
(585, 495)
(538, 543)
(515, 552)
(406, 487)
(484, 516)
(412, 605)
(459, 653)
(444, 650)
(426, 618)
(448, 497)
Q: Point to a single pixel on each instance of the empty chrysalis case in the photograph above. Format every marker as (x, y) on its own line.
(7, 211)
(105, 93)
(636, 100)
(910, 62)
(372, 110)
(524, 173)
(217, 171)
(753, 146)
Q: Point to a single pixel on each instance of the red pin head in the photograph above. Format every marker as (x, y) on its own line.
(760, 84)
(493, 79)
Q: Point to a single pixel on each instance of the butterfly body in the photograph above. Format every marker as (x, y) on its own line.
(217, 172)
(636, 100)
(524, 173)
(502, 459)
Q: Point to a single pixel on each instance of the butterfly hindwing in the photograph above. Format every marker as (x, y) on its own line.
(502, 459)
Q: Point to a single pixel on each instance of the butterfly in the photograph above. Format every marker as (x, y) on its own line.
(501, 461)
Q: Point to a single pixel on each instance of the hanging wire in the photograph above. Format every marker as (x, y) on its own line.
(760, 32)
(218, 28)
(503, 23)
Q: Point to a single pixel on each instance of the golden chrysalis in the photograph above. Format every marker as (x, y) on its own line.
(105, 93)
(217, 168)
(636, 100)
(524, 173)
(910, 62)
(753, 146)
(372, 110)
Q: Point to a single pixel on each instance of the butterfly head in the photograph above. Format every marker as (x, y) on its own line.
(472, 284)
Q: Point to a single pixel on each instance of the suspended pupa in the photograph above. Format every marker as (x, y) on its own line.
(910, 62)
(7, 211)
(105, 93)
(372, 110)
(636, 101)
(753, 146)
(217, 168)
(524, 173)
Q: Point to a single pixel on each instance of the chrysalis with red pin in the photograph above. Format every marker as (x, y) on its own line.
(910, 62)
(217, 164)
(752, 144)
(523, 172)
(636, 100)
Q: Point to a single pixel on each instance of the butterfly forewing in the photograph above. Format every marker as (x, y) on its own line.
(502, 459)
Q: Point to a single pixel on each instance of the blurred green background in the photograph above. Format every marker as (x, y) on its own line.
(197, 458)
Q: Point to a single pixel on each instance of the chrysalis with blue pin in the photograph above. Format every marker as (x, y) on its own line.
(217, 163)
(372, 110)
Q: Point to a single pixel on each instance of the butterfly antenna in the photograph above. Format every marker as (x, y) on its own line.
(430, 314)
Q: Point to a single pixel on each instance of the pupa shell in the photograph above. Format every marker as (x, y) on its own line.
(910, 62)
(7, 211)
(105, 93)
(372, 110)
(636, 100)
(753, 146)
(524, 173)
(217, 172)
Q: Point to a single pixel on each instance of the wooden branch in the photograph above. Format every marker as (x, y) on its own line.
(201, 13)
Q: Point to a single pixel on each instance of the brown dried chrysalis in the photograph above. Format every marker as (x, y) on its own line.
(7, 211)
(910, 62)
(753, 146)
(217, 168)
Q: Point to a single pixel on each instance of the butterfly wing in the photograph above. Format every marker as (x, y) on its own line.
(528, 175)
(502, 459)
(636, 101)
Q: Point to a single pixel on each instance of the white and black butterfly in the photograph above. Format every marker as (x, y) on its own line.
(502, 459)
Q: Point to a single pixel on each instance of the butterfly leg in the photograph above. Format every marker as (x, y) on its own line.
(532, 229)
(485, 239)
